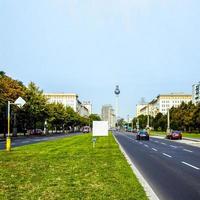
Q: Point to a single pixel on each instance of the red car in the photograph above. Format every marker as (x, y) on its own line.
(174, 135)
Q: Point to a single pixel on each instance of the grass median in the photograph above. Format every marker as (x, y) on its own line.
(68, 168)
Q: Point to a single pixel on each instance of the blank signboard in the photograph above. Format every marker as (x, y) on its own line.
(100, 128)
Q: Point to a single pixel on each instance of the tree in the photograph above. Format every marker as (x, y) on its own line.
(10, 90)
(94, 117)
(57, 116)
(35, 111)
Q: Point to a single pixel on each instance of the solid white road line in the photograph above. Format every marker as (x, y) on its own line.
(187, 150)
(166, 155)
(190, 165)
(154, 149)
(173, 146)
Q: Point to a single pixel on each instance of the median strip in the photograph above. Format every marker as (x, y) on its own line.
(185, 163)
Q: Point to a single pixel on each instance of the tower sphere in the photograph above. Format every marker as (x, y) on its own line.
(117, 91)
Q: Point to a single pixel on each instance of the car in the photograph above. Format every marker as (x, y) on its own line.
(86, 129)
(35, 132)
(142, 135)
(174, 135)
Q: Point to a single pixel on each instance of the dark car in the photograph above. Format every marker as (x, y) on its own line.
(142, 135)
(35, 132)
(86, 129)
(174, 135)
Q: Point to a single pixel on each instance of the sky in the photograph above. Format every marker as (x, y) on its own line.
(147, 47)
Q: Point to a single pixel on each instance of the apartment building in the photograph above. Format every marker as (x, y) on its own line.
(108, 114)
(163, 102)
(68, 99)
(196, 93)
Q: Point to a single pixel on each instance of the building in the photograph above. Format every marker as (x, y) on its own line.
(68, 99)
(139, 108)
(88, 105)
(108, 114)
(163, 102)
(196, 93)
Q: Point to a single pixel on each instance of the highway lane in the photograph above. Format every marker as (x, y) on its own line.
(21, 141)
(172, 169)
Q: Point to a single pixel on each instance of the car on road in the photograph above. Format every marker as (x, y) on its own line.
(86, 129)
(35, 132)
(174, 135)
(142, 135)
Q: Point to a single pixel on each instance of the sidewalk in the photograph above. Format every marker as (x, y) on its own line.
(185, 140)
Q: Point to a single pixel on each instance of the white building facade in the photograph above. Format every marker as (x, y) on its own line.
(196, 93)
(108, 114)
(68, 99)
(164, 102)
(88, 105)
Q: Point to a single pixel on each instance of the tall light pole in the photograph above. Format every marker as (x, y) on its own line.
(19, 102)
(117, 92)
(168, 122)
(148, 118)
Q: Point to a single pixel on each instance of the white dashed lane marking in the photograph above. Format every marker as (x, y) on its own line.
(154, 149)
(167, 155)
(194, 167)
(146, 145)
(173, 146)
(187, 150)
(163, 143)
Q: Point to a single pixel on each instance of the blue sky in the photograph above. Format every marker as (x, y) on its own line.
(148, 47)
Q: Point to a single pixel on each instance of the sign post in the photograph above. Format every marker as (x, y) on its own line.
(19, 102)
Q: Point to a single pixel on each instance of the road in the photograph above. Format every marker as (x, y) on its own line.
(21, 141)
(171, 169)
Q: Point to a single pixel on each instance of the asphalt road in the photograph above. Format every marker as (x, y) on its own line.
(21, 141)
(171, 169)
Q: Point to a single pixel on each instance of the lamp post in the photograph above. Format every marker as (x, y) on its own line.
(117, 92)
(19, 102)
(168, 122)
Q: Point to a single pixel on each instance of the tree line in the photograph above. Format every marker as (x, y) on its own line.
(37, 110)
(185, 117)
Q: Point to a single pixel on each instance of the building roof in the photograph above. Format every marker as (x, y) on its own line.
(175, 94)
(61, 94)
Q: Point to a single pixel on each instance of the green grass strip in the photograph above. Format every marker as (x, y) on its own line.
(68, 168)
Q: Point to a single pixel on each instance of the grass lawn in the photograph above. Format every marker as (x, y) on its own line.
(68, 168)
(188, 135)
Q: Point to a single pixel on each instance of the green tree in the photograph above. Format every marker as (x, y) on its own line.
(93, 117)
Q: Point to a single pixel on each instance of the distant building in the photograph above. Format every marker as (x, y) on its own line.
(139, 108)
(68, 99)
(196, 93)
(108, 114)
(164, 102)
(88, 105)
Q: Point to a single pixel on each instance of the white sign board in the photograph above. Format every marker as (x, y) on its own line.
(20, 102)
(100, 128)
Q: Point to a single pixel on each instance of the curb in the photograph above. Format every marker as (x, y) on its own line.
(147, 188)
(191, 139)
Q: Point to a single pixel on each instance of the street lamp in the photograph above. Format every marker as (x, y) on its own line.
(117, 92)
(168, 122)
(19, 102)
